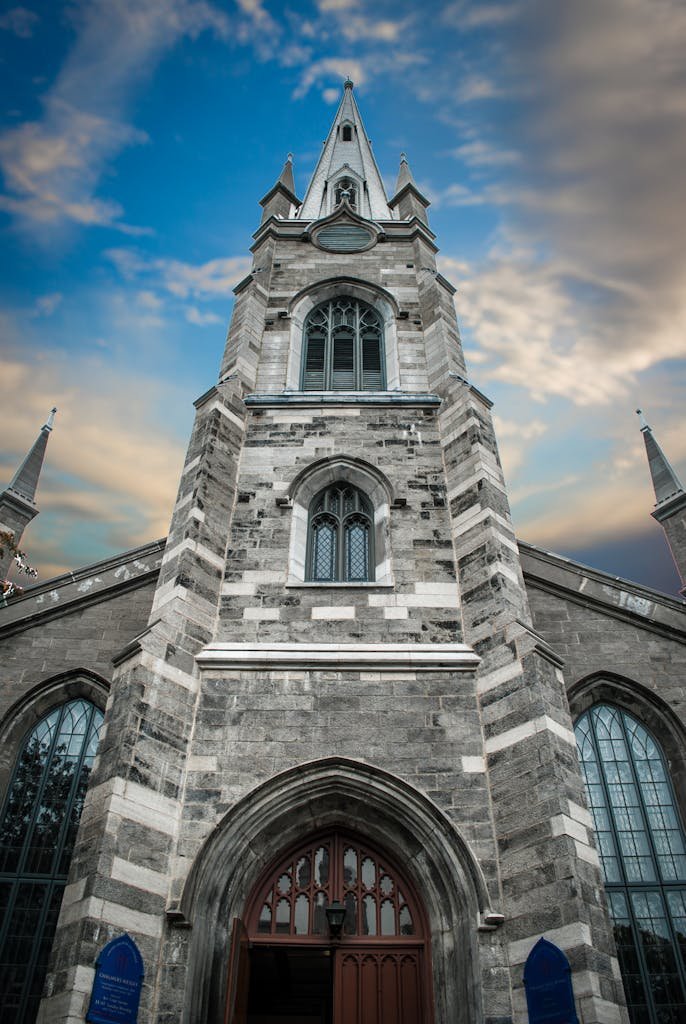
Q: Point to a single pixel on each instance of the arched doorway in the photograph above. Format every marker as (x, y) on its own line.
(288, 964)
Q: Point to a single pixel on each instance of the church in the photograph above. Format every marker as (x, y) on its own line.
(340, 750)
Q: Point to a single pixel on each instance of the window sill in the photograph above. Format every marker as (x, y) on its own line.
(337, 585)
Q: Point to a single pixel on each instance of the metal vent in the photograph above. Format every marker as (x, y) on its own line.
(344, 237)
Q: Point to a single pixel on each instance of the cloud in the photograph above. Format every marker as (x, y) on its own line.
(92, 484)
(194, 316)
(203, 281)
(52, 166)
(467, 16)
(20, 21)
(47, 304)
(479, 153)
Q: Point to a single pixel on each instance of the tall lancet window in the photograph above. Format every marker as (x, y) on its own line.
(346, 189)
(343, 348)
(643, 856)
(37, 832)
(340, 536)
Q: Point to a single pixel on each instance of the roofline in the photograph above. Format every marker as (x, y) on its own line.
(634, 602)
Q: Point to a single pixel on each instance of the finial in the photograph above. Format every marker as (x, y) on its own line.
(50, 423)
(289, 158)
(403, 158)
(348, 84)
(642, 420)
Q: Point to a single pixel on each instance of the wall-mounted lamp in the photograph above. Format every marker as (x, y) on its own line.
(335, 915)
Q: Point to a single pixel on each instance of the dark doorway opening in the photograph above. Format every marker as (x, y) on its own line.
(289, 985)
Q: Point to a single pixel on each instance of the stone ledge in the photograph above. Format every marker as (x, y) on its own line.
(333, 398)
(340, 657)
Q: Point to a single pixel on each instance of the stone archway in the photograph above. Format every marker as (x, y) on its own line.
(324, 795)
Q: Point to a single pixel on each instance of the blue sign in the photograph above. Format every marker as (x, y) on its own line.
(117, 985)
(548, 984)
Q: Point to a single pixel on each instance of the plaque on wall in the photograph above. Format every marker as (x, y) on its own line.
(117, 984)
(548, 984)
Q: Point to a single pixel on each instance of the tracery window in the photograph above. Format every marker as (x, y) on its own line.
(377, 901)
(38, 828)
(340, 536)
(643, 856)
(346, 189)
(343, 347)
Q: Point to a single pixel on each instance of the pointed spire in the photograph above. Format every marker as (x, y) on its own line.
(347, 153)
(286, 176)
(18, 500)
(405, 176)
(408, 199)
(25, 481)
(670, 505)
(665, 481)
(281, 196)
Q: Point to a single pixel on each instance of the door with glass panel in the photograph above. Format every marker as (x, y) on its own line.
(295, 969)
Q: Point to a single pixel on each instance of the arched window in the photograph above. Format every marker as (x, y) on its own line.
(347, 132)
(643, 856)
(340, 536)
(38, 827)
(345, 189)
(343, 347)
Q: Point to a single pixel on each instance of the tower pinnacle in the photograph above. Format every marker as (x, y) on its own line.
(18, 500)
(670, 498)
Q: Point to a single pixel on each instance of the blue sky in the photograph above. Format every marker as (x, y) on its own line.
(136, 138)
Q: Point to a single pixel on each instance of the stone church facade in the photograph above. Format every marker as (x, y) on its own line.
(341, 680)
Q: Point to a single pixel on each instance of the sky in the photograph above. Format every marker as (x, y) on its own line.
(137, 136)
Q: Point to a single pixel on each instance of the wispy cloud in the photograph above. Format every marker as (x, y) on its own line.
(53, 166)
(98, 445)
(212, 279)
(19, 20)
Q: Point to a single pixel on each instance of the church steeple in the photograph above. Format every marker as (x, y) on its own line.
(18, 500)
(346, 169)
(670, 498)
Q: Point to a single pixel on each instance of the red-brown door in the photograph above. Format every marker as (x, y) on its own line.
(381, 966)
(378, 986)
(236, 1009)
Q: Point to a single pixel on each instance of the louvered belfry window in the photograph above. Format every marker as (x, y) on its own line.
(343, 348)
(340, 536)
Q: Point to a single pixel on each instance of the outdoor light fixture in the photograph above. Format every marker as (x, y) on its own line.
(335, 915)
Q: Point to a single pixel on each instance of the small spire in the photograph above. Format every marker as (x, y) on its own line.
(665, 481)
(25, 480)
(405, 176)
(286, 176)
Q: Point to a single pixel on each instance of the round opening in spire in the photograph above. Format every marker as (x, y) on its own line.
(348, 84)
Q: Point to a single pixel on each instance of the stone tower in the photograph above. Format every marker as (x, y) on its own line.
(340, 657)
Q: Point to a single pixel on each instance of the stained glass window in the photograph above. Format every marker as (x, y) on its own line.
(642, 851)
(335, 867)
(37, 831)
(343, 348)
(340, 536)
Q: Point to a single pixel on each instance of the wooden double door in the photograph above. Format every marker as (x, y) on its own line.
(286, 967)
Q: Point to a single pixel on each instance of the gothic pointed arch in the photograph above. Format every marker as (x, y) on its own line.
(375, 497)
(33, 705)
(645, 705)
(331, 794)
(377, 299)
